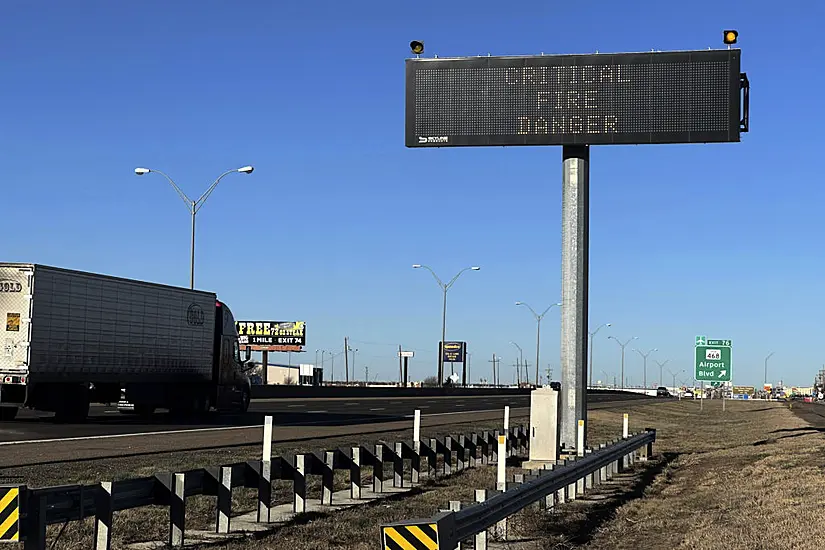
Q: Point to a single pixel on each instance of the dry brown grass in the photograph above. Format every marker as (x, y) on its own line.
(749, 477)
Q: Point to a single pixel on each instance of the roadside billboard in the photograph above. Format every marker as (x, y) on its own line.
(271, 335)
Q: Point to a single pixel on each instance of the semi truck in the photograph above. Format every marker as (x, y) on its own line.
(72, 338)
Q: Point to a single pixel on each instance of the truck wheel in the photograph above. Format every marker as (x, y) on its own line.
(8, 413)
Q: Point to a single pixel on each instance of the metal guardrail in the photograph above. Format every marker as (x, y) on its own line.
(447, 530)
(39, 507)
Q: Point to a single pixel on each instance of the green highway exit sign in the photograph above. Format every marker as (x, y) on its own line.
(712, 360)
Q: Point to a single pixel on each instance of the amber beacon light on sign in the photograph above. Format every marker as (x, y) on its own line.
(730, 37)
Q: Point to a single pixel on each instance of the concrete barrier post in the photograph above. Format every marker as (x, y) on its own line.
(507, 426)
(328, 479)
(455, 506)
(355, 473)
(501, 478)
(480, 539)
(264, 491)
(398, 466)
(103, 516)
(177, 511)
(299, 485)
(378, 469)
(224, 507)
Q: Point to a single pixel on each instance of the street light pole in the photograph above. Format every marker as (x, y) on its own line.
(622, 345)
(444, 289)
(766, 368)
(538, 330)
(644, 355)
(592, 334)
(661, 366)
(194, 206)
(674, 374)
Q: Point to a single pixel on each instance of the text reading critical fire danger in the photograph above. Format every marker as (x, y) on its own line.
(672, 97)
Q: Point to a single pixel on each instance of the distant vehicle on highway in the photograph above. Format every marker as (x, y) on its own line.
(556, 385)
(73, 338)
(662, 391)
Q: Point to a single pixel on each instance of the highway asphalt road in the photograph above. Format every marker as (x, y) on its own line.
(33, 437)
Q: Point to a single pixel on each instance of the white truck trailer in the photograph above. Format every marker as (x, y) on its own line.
(72, 338)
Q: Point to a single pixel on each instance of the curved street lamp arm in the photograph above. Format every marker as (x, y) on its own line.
(184, 197)
(437, 279)
(457, 275)
(199, 203)
(548, 309)
(536, 315)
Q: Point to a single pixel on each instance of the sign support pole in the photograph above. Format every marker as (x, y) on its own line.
(575, 236)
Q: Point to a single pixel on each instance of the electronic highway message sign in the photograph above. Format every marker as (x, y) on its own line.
(594, 99)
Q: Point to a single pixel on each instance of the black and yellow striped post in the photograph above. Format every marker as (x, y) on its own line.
(9, 513)
(435, 533)
(410, 536)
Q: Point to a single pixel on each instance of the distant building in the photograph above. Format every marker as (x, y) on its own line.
(291, 375)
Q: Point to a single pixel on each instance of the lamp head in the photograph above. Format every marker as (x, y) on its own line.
(141, 171)
(519, 303)
(475, 268)
(609, 325)
(246, 169)
(416, 266)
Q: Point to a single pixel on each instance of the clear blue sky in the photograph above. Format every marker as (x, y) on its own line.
(723, 240)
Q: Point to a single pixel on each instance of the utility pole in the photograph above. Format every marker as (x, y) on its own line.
(590, 355)
(766, 366)
(526, 364)
(517, 366)
(495, 375)
(400, 365)
(346, 360)
(366, 375)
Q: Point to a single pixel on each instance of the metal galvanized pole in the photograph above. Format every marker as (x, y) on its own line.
(443, 337)
(538, 346)
(623, 366)
(192, 252)
(574, 276)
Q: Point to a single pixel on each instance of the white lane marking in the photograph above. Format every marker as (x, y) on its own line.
(199, 430)
(378, 409)
(424, 407)
(353, 403)
(315, 412)
(292, 406)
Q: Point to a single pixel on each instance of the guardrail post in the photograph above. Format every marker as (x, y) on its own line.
(480, 540)
(328, 479)
(355, 473)
(415, 463)
(398, 466)
(603, 469)
(625, 426)
(549, 500)
(495, 447)
(484, 442)
(571, 489)
(590, 479)
(35, 521)
(103, 516)
(432, 459)
(177, 511)
(224, 500)
(472, 446)
(378, 469)
(264, 491)
(462, 453)
(448, 455)
(299, 484)
(649, 447)
(455, 506)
